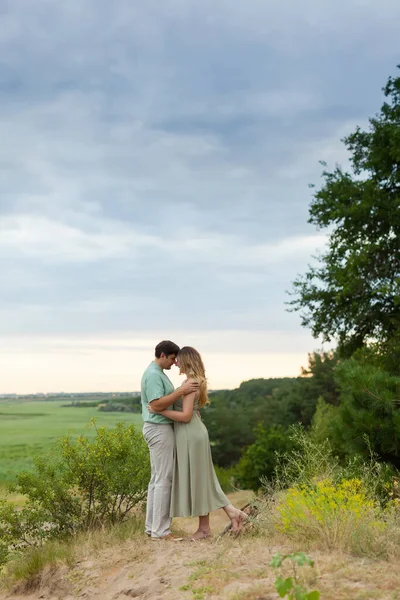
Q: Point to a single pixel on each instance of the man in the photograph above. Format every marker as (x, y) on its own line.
(158, 432)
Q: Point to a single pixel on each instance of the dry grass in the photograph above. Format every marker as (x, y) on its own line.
(35, 566)
(289, 519)
(246, 575)
(122, 563)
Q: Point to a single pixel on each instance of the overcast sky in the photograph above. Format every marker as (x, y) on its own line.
(154, 168)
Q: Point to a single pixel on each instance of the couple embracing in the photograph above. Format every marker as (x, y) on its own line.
(183, 481)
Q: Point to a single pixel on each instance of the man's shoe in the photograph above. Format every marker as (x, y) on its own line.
(170, 537)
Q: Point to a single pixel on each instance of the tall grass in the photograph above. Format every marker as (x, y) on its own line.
(316, 501)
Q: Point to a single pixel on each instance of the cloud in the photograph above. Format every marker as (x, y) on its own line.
(156, 157)
(35, 237)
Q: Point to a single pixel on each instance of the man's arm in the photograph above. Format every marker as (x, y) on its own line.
(162, 403)
(184, 415)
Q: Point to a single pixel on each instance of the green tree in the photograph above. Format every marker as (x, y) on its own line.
(321, 367)
(233, 415)
(260, 459)
(353, 294)
(368, 418)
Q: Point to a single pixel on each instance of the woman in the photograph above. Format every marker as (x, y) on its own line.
(195, 487)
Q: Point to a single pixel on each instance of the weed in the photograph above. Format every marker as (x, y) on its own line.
(291, 586)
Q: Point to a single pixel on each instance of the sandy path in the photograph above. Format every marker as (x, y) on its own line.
(216, 569)
(138, 569)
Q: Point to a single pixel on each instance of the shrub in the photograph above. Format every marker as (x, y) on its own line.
(379, 479)
(88, 483)
(353, 506)
(313, 459)
(336, 514)
(309, 459)
(111, 472)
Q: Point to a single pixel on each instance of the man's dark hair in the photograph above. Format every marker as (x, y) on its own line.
(166, 348)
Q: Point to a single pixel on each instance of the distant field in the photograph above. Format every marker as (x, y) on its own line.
(30, 428)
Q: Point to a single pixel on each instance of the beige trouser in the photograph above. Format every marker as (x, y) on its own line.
(161, 442)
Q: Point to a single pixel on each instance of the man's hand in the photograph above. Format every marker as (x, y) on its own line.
(165, 402)
(188, 387)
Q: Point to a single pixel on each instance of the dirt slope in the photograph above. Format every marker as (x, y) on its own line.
(216, 569)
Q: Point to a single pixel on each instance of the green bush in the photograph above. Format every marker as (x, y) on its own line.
(312, 460)
(260, 459)
(87, 484)
(335, 514)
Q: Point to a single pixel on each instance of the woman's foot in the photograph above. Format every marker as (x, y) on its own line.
(238, 520)
(200, 534)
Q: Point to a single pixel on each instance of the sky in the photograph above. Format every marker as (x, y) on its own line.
(154, 167)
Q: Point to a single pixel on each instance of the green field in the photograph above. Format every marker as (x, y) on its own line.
(31, 428)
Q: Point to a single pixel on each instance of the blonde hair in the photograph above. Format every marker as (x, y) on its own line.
(191, 364)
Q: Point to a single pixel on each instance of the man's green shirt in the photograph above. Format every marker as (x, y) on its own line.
(155, 384)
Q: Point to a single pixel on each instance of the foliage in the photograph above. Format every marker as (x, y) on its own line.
(321, 368)
(233, 416)
(382, 355)
(290, 586)
(339, 514)
(353, 295)
(330, 512)
(112, 472)
(369, 414)
(260, 459)
(312, 459)
(307, 460)
(89, 483)
(227, 478)
(379, 479)
(352, 505)
(322, 421)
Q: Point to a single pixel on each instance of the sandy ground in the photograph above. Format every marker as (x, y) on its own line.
(215, 569)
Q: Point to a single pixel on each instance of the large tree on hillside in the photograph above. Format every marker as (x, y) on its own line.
(353, 294)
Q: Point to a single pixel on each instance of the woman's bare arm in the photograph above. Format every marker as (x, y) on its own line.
(162, 403)
(184, 415)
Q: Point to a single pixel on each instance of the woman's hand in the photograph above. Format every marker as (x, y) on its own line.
(152, 411)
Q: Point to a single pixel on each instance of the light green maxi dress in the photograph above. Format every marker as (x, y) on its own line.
(195, 488)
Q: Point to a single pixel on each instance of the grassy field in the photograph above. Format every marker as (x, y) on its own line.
(30, 428)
